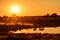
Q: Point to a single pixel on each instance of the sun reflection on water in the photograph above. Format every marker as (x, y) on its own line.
(47, 30)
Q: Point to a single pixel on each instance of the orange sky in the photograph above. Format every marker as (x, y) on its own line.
(30, 7)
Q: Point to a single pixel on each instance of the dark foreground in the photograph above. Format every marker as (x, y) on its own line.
(32, 36)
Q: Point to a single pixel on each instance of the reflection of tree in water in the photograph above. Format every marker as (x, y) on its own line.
(12, 38)
(35, 36)
(40, 21)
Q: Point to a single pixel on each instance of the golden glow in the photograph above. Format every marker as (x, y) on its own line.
(47, 30)
(15, 9)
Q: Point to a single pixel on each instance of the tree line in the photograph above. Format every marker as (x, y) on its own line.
(16, 19)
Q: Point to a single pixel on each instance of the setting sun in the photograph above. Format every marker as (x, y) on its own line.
(15, 9)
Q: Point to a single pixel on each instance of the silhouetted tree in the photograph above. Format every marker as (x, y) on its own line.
(5, 19)
(47, 14)
(1, 19)
(54, 15)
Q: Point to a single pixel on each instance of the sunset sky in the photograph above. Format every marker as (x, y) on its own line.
(30, 7)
